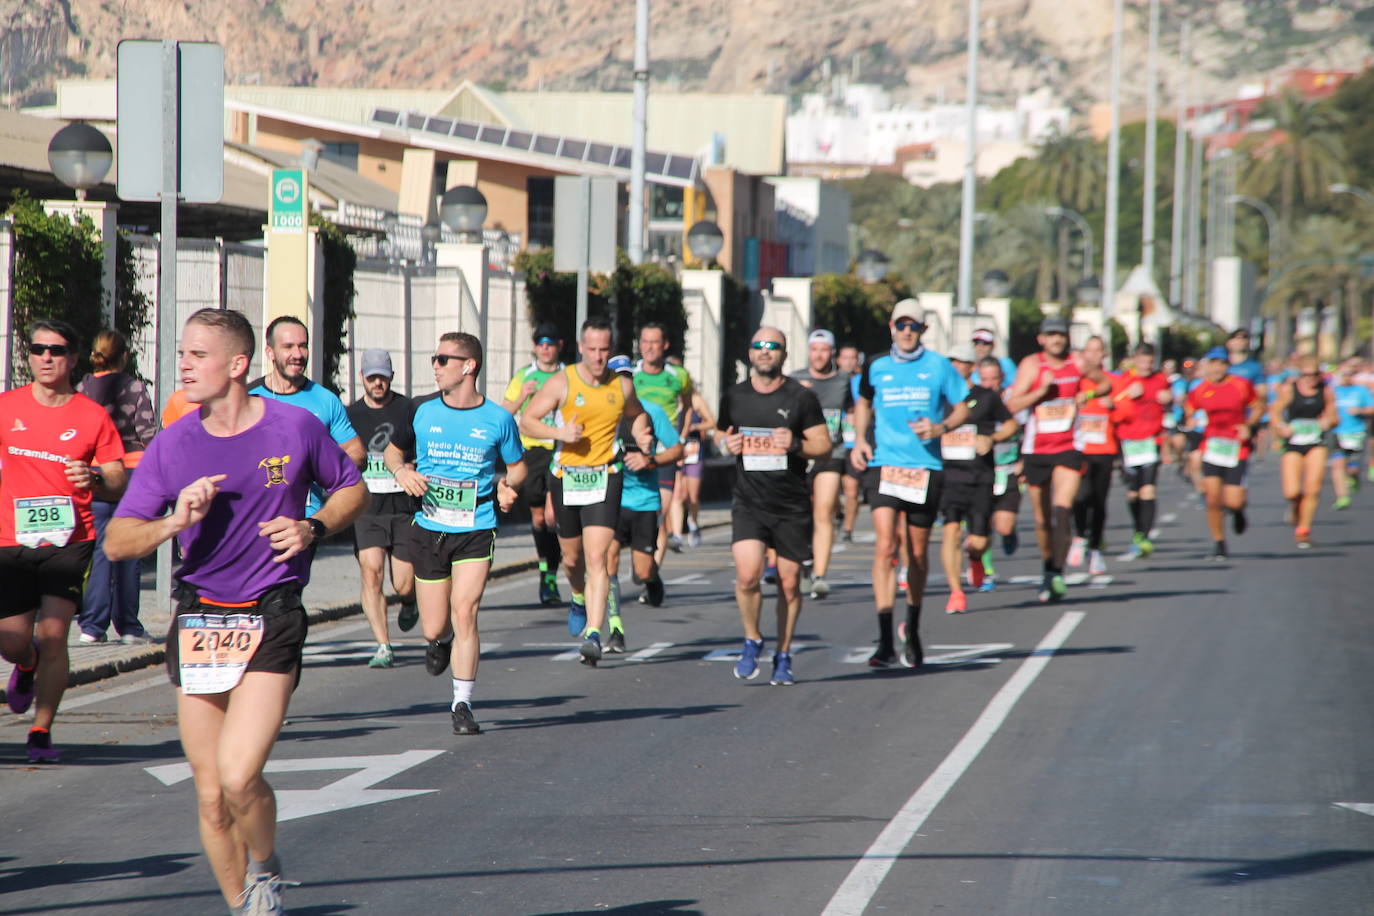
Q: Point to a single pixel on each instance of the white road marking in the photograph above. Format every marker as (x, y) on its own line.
(352, 791)
(100, 696)
(1361, 807)
(732, 655)
(648, 651)
(689, 579)
(863, 881)
(954, 655)
(1168, 518)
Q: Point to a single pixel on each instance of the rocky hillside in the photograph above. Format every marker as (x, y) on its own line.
(913, 46)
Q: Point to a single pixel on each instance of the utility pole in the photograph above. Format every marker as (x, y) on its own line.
(1176, 242)
(966, 209)
(1147, 216)
(1113, 169)
(635, 248)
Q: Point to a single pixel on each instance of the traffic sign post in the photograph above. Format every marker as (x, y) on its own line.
(170, 116)
(584, 231)
(288, 201)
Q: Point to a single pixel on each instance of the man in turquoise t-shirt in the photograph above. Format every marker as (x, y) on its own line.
(1354, 405)
(287, 350)
(640, 506)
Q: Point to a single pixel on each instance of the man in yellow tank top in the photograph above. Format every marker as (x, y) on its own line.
(587, 471)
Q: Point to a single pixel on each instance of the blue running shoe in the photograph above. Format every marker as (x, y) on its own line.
(989, 584)
(747, 668)
(577, 617)
(782, 670)
(591, 649)
(1010, 543)
(548, 590)
(770, 575)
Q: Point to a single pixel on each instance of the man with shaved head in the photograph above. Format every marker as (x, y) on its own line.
(773, 425)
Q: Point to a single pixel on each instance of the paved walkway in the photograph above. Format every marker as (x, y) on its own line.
(332, 593)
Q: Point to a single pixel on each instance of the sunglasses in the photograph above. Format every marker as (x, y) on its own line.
(38, 349)
(908, 324)
(765, 345)
(442, 359)
(544, 342)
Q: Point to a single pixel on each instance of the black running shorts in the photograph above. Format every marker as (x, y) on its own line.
(572, 519)
(1039, 469)
(637, 529)
(435, 553)
(969, 502)
(390, 532)
(535, 489)
(1230, 477)
(789, 535)
(827, 466)
(918, 515)
(1144, 475)
(284, 628)
(29, 573)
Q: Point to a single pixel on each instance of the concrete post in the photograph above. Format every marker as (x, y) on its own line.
(1000, 312)
(789, 309)
(470, 260)
(939, 309)
(104, 216)
(703, 296)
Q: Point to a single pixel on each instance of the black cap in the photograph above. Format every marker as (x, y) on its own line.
(1054, 325)
(547, 329)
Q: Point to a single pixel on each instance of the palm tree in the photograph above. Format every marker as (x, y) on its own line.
(1071, 170)
(1300, 158)
(1023, 245)
(1323, 267)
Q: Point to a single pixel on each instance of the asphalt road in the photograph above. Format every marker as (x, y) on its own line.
(1181, 742)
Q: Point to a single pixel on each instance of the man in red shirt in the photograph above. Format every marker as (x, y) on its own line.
(1148, 392)
(1233, 408)
(59, 448)
(1096, 439)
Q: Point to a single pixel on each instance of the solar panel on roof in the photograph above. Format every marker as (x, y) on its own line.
(465, 129)
(439, 125)
(519, 139)
(679, 167)
(655, 162)
(386, 115)
(621, 160)
(599, 153)
(491, 135)
(415, 121)
(546, 145)
(573, 149)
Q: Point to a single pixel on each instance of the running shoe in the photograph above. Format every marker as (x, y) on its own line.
(912, 655)
(1096, 565)
(1304, 538)
(384, 657)
(1147, 546)
(957, 603)
(1369, 473)
(136, 639)
(548, 589)
(19, 693)
(693, 534)
(262, 896)
(577, 617)
(1238, 522)
(882, 658)
(40, 747)
(782, 670)
(591, 650)
(901, 578)
(1010, 542)
(846, 537)
(820, 588)
(90, 639)
(1218, 554)
(407, 617)
(770, 575)
(1341, 503)
(615, 643)
(1058, 587)
(976, 573)
(1077, 548)
(1133, 552)
(806, 583)
(463, 722)
(653, 592)
(989, 583)
(675, 543)
(747, 668)
(437, 655)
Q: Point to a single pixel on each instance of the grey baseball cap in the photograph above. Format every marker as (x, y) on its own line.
(376, 361)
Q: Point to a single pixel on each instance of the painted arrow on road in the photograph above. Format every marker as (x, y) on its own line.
(1361, 807)
(352, 791)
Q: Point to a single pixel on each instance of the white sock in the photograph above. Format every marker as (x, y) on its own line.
(462, 692)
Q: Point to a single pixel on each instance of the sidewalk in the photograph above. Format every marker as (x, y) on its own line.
(331, 594)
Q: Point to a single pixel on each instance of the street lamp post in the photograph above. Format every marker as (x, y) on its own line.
(967, 203)
(1077, 219)
(871, 265)
(1180, 207)
(1113, 165)
(463, 210)
(1271, 219)
(705, 241)
(1361, 193)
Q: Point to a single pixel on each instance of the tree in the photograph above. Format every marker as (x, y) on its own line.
(1299, 159)
(1023, 245)
(1324, 267)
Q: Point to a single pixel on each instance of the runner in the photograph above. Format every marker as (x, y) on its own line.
(1232, 407)
(236, 478)
(670, 387)
(1355, 405)
(911, 390)
(983, 341)
(640, 507)
(1054, 387)
(772, 425)
(456, 436)
(1140, 435)
(384, 529)
(850, 363)
(831, 388)
(1302, 415)
(1096, 438)
(287, 349)
(1006, 474)
(700, 424)
(60, 452)
(548, 344)
(968, 455)
(587, 484)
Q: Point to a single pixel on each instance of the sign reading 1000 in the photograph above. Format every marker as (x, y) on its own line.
(288, 200)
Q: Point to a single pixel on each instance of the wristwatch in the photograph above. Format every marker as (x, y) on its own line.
(317, 528)
(97, 476)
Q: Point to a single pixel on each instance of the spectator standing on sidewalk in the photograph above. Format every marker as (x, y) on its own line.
(112, 588)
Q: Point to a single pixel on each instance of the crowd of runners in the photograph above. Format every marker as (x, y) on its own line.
(607, 456)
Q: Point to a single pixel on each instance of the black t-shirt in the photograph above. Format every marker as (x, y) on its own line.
(834, 396)
(770, 482)
(376, 428)
(987, 411)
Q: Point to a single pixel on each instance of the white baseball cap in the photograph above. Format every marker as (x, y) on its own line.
(820, 335)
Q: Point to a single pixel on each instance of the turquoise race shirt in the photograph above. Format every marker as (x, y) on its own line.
(640, 492)
(902, 393)
(326, 407)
